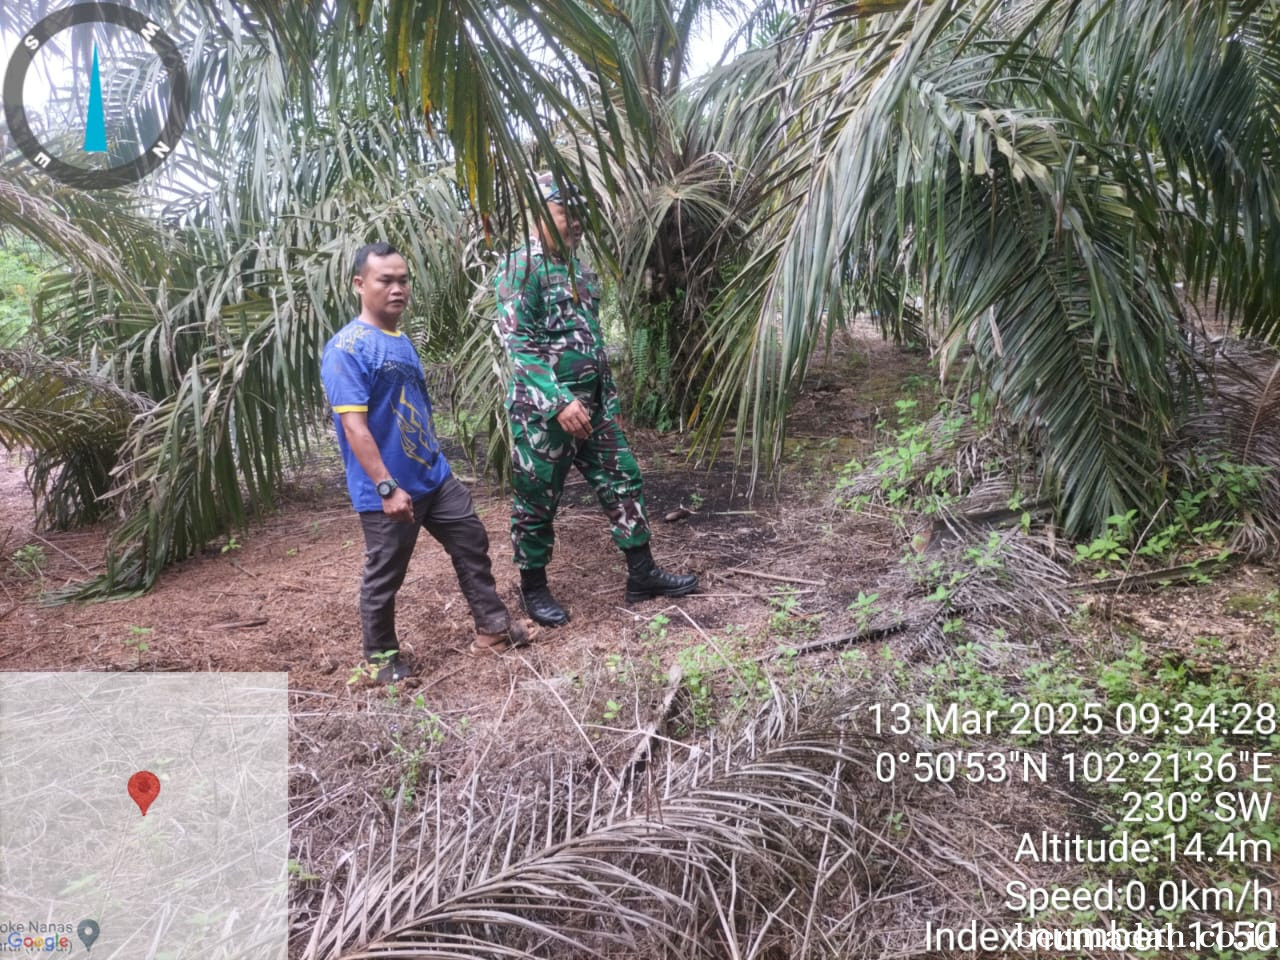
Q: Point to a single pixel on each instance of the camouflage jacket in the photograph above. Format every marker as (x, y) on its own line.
(548, 319)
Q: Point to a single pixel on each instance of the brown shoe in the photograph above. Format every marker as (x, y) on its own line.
(496, 644)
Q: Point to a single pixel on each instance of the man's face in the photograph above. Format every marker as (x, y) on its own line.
(568, 226)
(383, 286)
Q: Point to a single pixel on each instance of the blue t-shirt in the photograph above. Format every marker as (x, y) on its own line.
(365, 368)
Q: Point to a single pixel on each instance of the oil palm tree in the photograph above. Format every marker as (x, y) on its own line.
(1042, 176)
(207, 298)
(661, 223)
(673, 229)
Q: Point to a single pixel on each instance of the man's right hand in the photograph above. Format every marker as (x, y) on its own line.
(398, 506)
(575, 420)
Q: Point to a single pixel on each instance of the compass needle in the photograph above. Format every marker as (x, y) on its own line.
(95, 124)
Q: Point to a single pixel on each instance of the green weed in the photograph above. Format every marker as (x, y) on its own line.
(137, 641)
(1195, 723)
(655, 631)
(786, 619)
(30, 561)
(299, 872)
(368, 670)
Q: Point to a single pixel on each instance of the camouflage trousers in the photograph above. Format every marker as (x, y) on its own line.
(542, 452)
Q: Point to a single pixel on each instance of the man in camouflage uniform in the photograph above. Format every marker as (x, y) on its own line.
(563, 408)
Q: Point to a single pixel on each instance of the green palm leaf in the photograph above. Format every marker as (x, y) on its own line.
(1005, 161)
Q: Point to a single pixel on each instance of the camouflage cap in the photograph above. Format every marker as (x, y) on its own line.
(561, 192)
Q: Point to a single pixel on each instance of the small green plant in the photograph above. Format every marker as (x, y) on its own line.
(696, 680)
(1015, 503)
(855, 665)
(1215, 494)
(1233, 483)
(1109, 546)
(620, 669)
(900, 464)
(291, 552)
(964, 678)
(611, 710)
(751, 682)
(369, 669)
(231, 544)
(137, 640)
(864, 608)
(413, 742)
(30, 561)
(1194, 722)
(299, 872)
(696, 500)
(655, 631)
(787, 620)
(989, 556)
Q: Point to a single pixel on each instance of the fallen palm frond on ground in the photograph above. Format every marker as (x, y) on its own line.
(1233, 441)
(72, 420)
(780, 843)
(1002, 585)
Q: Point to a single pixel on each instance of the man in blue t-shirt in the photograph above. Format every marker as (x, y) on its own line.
(398, 479)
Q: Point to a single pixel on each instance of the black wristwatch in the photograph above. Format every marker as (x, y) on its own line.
(386, 488)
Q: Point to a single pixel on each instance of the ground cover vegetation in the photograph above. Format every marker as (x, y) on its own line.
(1070, 206)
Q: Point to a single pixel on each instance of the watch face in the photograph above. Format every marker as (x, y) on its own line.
(386, 488)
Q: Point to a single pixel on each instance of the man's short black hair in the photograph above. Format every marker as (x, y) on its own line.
(379, 249)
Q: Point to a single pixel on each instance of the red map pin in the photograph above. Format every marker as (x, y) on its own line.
(144, 787)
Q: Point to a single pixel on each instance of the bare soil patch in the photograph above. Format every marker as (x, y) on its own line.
(282, 594)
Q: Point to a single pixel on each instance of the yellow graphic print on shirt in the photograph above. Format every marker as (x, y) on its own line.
(416, 438)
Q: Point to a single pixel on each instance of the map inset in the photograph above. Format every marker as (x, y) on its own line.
(85, 871)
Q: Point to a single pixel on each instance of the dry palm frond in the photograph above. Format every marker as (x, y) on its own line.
(975, 469)
(1003, 582)
(774, 844)
(1237, 425)
(72, 421)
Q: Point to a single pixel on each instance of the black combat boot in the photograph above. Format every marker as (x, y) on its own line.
(645, 579)
(538, 601)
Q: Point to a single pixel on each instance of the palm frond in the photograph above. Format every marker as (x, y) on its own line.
(68, 223)
(771, 845)
(1230, 445)
(982, 158)
(71, 421)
